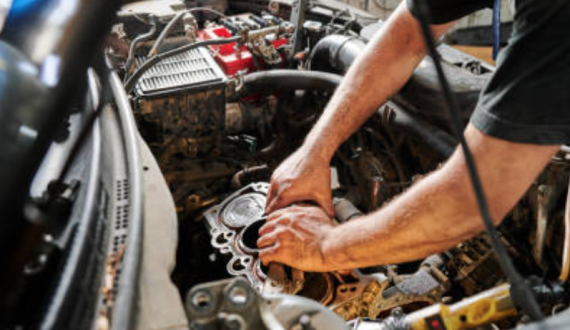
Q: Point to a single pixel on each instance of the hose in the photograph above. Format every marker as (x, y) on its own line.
(288, 80)
(137, 40)
(172, 23)
(440, 142)
(149, 63)
(335, 53)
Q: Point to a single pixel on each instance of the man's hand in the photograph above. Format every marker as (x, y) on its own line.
(296, 236)
(302, 177)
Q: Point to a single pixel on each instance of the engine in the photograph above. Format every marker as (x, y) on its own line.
(224, 91)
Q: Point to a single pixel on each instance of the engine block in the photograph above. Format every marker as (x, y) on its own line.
(234, 225)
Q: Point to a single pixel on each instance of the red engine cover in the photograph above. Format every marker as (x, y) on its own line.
(227, 56)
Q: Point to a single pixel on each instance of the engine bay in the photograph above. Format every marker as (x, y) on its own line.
(224, 91)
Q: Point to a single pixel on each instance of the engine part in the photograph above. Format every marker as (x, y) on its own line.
(182, 101)
(438, 140)
(298, 19)
(264, 40)
(234, 305)
(484, 308)
(234, 225)
(423, 288)
(362, 304)
(190, 71)
(345, 210)
(250, 175)
(380, 294)
(275, 80)
(475, 265)
(335, 53)
(135, 43)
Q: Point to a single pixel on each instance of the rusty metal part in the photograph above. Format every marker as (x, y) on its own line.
(266, 51)
(373, 296)
(545, 205)
(356, 299)
(475, 265)
(190, 123)
(423, 288)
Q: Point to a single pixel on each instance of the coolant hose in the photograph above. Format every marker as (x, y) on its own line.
(336, 53)
(438, 140)
(442, 144)
(288, 80)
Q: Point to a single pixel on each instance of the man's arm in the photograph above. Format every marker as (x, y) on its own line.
(436, 214)
(386, 64)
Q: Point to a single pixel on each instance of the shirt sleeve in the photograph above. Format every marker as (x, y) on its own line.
(445, 11)
(528, 98)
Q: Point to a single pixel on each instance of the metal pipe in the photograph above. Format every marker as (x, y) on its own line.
(565, 269)
(154, 50)
(137, 41)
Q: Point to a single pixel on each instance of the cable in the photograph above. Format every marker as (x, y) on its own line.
(173, 21)
(137, 40)
(149, 63)
(521, 293)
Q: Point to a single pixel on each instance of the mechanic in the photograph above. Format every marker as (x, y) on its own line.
(521, 120)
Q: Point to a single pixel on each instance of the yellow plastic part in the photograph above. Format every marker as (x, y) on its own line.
(487, 307)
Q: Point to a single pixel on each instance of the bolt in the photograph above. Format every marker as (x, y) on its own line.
(305, 322)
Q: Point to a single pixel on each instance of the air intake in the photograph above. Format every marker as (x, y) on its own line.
(194, 69)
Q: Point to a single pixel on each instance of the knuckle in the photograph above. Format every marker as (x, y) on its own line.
(281, 233)
(284, 221)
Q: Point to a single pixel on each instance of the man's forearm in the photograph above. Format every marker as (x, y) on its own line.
(387, 63)
(417, 224)
(440, 211)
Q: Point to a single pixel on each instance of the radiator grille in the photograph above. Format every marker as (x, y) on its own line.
(191, 69)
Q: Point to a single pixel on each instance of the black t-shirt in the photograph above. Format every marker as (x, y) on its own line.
(444, 11)
(528, 98)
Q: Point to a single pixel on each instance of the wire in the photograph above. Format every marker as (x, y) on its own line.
(149, 63)
(521, 294)
(137, 40)
(172, 23)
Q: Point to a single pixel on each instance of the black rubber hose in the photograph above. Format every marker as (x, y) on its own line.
(335, 53)
(438, 140)
(288, 80)
(441, 143)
